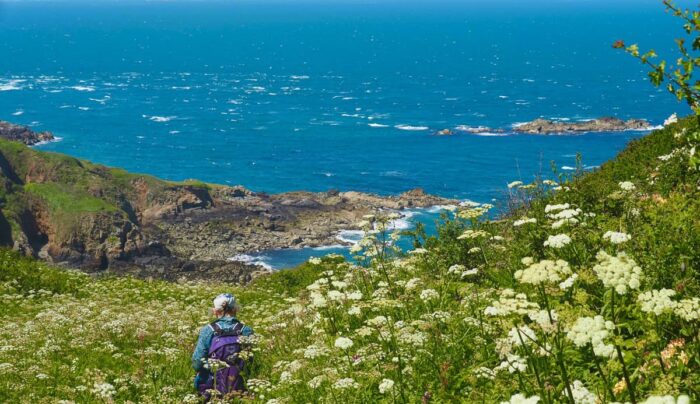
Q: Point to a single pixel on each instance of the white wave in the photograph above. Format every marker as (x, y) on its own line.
(84, 108)
(295, 77)
(11, 85)
(440, 208)
(88, 89)
(491, 134)
(348, 98)
(249, 259)
(18, 112)
(328, 247)
(180, 88)
(156, 118)
(377, 125)
(467, 128)
(174, 132)
(43, 142)
(350, 236)
(568, 168)
(102, 101)
(648, 128)
(411, 127)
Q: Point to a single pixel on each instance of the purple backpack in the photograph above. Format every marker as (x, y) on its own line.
(225, 346)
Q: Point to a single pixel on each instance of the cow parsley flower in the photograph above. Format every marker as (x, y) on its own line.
(513, 363)
(510, 303)
(544, 271)
(619, 272)
(343, 343)
(594, 331)
(515, 184)
(581, 394)
(688, 309)
(315, 261)
(555, 208)
(429, 294)
(522, 335)
(557, 241)
(472, 234)
(104, 390)
(568, 282)
(524, 221)
(657, 301)
(386, 386)
(522, 399)
(617, 237)
(346, 383)
(627, 186)
(682, 399)
(545, 319)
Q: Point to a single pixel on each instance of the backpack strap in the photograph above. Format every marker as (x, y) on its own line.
(236, 331)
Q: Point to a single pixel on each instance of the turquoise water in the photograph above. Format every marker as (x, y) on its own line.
(291, 96)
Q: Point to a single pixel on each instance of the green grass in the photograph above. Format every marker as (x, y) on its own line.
(62, 199)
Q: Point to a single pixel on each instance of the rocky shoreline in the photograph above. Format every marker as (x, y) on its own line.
(542, 126)
(24, 134)
(78, 214)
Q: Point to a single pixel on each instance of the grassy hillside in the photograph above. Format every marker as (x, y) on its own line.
(587, 293)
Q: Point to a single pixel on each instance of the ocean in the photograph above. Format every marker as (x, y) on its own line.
(283, 96)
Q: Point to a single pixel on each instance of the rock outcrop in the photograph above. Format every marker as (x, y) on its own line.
(23, 134)
(79, 214)
(607, 124)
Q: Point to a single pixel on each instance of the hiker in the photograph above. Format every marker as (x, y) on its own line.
(220, 340)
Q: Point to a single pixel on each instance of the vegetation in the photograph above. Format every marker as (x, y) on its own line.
(587, 293)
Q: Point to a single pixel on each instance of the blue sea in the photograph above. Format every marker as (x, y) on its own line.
(282, 96)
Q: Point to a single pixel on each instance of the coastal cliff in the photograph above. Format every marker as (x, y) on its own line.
(79, 214)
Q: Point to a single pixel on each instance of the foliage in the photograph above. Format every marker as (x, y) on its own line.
(483, 312)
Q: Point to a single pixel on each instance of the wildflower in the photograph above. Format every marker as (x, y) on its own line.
(568, 282)
(616, 237)
(550, 183)
(657, 301)
(620, 272)
(627, 186)
(386, 386)
(472, 234)
(555, 208)
(527, 261)
(565, 214)
(522, 335)
(557, 241)
(474, 250)
(356, 295)
(581, 394)
(315, 351)
(510, 303)
(594, 331)
(544, 271)
(104, 390)
(688, 309)
(377, 321)
(343, 343)
(316, 382)
(513, 363)
(515, 184)
(484, 373)
(354, 311)
(429, 294)
(346, 383)
(314, 261)
(412, 284)
(418, 251)
(523, 221)
(545, 319)
(521, 399)
(683, 399)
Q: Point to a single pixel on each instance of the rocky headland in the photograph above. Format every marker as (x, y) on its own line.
(100, 219)
(23, 134)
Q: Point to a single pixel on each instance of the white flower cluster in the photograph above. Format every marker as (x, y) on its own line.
(568, 282)
(657, 301)
(594, 331)
(521, 399)
(429, 294)
(343, 343)
(557, 241)
(688, 309)
(510, 303)
(513, 363)
(522, 335)
(523, 221)
(683, 399)
(581, 394)
(542, 318)
(544, 271)
(616, 237)
(515, 184)
(386, 386)
(462, 271)
(620, 272)
(104, 390)
(627, 186)
(346, 383)
(556, 208)
(472, 234)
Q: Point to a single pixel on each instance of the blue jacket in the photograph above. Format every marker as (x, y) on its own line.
(201, 351)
